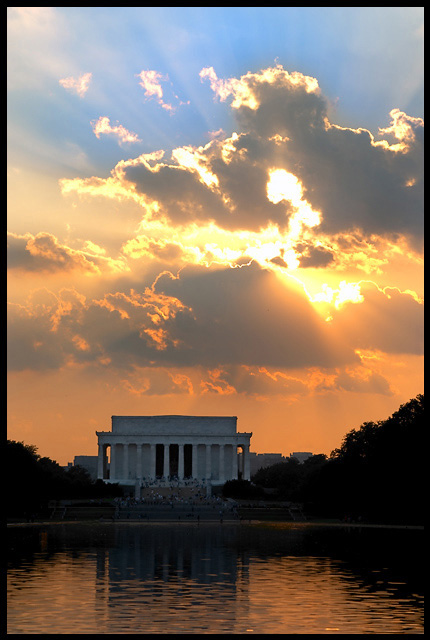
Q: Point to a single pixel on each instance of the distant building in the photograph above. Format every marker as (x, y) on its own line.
(89, 463)
(260, 460)
(301, 456)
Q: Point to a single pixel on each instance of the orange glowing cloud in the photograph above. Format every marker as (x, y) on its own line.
(217, 317)
(157, 381)
(217, 383)
(167, 251)
(208, 316)
(44, 253)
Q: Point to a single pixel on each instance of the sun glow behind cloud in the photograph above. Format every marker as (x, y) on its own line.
(271, 257)
(269, 247)
(283, 185)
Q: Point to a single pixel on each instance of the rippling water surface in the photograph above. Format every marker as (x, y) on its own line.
(140, 578)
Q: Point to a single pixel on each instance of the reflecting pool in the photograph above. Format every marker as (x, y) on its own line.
(290, 578)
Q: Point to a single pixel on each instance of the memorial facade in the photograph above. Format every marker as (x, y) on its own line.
(163, 449)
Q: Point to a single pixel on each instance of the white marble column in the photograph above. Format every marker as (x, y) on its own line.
(221, 463)
(208, 462)
(181, 462)
(166, 470)
(139, 461)
(112, 473)
(194, 465)
(234, 463)
(152, 467)
(125, 461)
(100, 462)
(246, 470)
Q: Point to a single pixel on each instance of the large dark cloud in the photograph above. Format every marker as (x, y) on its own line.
(45, 254)
(316, 257)
(239, 201)
(391, 321)
(206, 317)
(247, 316)
(354, 182)
(210, 317)
(30, 342)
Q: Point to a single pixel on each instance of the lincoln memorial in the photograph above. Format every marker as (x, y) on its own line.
(166, 449)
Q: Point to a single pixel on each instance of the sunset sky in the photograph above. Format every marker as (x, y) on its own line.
(213, 211)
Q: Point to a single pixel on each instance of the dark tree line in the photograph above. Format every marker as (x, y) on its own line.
(377, 474)
(33, 481)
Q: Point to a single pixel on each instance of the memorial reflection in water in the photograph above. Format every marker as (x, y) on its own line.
(190, 578)
(176, 555)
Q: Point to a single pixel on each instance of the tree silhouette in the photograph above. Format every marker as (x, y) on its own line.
(377, 473)
(34, 480)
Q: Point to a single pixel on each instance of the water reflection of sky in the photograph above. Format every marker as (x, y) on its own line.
(125, 578)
